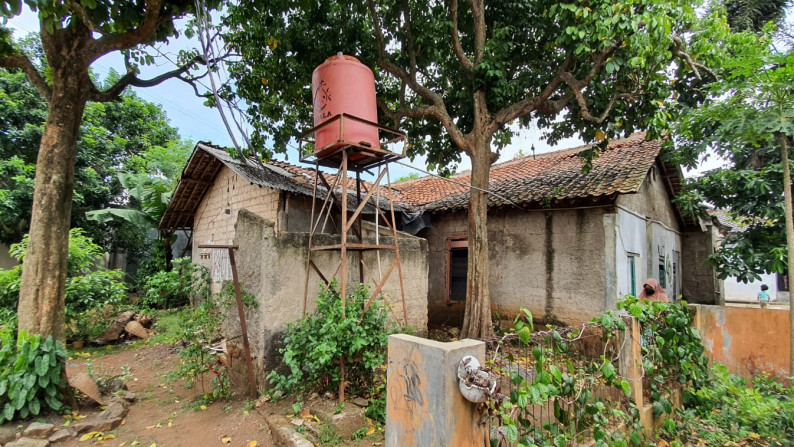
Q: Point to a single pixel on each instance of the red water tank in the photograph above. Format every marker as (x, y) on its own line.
(342, 84)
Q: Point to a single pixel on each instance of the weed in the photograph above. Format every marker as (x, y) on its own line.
(328, 435)
(361, 433)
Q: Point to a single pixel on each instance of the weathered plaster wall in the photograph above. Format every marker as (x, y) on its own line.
(748, 340)
(272, 266)
(424, 406)
(217, 213)
(651, 200)
(550, 262)
(699, 283)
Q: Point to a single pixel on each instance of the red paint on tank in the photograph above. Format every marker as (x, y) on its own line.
(342, 84)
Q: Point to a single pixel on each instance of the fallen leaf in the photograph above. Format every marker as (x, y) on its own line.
(370, 431)
(123, 421)
(226, 440)
(67, 423)
(89, 435)
(106, 437)
(251, 443)
(154, 444)
(150, 427)
(203, 407)
(135, 443)
(170, 423)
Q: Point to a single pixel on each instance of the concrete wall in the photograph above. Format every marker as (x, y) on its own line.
(217, 214)
(424, 405)
(6, 261)
(748, 340)
(550, 262)
(699, 284)
(272, 266)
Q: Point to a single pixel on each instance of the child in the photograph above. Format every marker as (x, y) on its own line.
(763, 296)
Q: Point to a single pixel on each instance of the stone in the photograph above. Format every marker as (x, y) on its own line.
(129, 396)
(63, 434)
(38, 430)
(98, 424)
(361, 402)
(28, 442)
(114, 410)
(8, 433)
(297, 422)
(284, 433)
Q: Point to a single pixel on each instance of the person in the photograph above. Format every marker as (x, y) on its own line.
(763, 296)
(651, 290)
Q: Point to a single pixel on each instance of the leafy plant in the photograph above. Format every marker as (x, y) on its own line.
(729, 412)
(199, 326)
(672, 351)
(558, 379)
(348, 333)
(30, 374)
(184, 283)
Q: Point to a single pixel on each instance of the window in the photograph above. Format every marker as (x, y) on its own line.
(662, 274)
(632, 276)
(782, 283)
(457, 269)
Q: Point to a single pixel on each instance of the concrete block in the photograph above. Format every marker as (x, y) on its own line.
(424, 406)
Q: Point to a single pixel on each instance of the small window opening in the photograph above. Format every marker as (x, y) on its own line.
(457, 269)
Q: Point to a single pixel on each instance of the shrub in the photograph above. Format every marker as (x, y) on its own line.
(185, 283)
(728, 412)
(88, 284)
(30, 374)
(316, 343)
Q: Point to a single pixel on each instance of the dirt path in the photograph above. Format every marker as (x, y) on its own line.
(167, 414)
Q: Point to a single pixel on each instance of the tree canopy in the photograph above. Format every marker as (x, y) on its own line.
(74, 34)
(130, 136)
(745, 115)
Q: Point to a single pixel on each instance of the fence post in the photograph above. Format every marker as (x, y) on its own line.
(630, 366)
(424, 406)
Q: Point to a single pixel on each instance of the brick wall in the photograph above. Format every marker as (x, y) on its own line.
(217, 215)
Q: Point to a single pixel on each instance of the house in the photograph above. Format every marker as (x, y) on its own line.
(564, 244)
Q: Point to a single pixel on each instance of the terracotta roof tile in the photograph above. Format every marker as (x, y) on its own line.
(619, 169)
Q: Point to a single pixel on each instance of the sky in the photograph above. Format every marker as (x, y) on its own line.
(197, 122)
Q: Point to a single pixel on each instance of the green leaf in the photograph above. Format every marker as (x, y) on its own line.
(524, 335)
(34, 406)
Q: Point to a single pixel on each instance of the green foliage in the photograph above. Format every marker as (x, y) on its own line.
(672, 351)
(95, 290)
(729, 412)
(184, 283)
(561, 379)
(88, 285)
(317, 342)
(746, 115)
(131, 135)
(30, 375)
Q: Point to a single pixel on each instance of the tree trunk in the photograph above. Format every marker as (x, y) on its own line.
(477, 321)
(783, 139)
(41, 295)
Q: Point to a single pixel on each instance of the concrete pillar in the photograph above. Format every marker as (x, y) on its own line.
(424, 407)
(630, 365)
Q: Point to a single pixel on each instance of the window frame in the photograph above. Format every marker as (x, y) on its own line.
(455, 241)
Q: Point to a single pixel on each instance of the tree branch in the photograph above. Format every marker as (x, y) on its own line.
(124, 41)
(528, 105)
(439, 110)
(678, 45)
(78, 9)
(23, 63)
(113, 93)
(576, 88)
(465, 62)
(478, 16)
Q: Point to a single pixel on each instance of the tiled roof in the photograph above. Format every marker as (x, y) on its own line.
(207, 160)
(619, 169)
